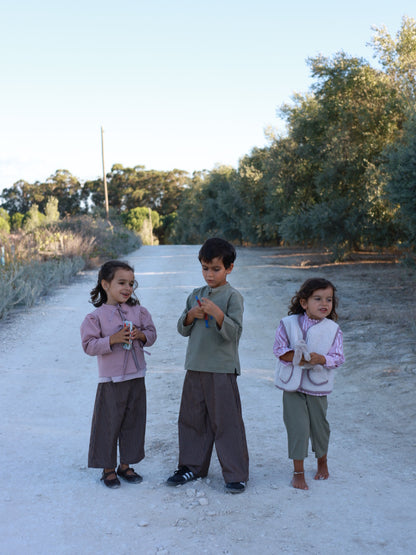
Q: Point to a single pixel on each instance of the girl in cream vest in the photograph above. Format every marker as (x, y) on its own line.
(308, 346)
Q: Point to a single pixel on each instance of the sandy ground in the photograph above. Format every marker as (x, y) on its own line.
(50, 502)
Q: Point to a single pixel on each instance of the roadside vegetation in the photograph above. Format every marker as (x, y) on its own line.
(35, 259)
(342, 178)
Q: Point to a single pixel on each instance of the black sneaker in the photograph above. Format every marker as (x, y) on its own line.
(235, 487)
(181, 476)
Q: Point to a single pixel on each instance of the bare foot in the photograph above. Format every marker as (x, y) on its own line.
(322, 473)
(298, 481)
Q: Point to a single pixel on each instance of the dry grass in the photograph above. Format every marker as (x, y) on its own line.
(38, 261)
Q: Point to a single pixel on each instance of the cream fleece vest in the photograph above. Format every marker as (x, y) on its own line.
(319, 339)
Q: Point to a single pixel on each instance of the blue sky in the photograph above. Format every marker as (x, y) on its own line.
(183, 84)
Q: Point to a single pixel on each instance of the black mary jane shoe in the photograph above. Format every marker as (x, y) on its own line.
(132, 477)
(113, 483)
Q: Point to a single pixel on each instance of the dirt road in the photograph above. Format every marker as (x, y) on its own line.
(50, 502)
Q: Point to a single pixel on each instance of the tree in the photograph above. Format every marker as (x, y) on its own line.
(61, 185)
(401, 186)
(51, 211)
(340, 134)
(187, 225)
(66, 188)
(18, 198)
(134, 218)
(220, 203)
(210, 206)
(253, 187)
(142, 220)
(16, 221)
(398, 55)
(286, 177)
(131, 187)
(33, 218)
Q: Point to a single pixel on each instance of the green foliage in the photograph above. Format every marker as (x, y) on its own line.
(4, 225)
(143, 221)
(135, 218)
(66, 188)
(189, 215)
(401, 188)
(106, 239)
(398, 55)
(61, 185)
(39, 260)
(220, 204)
(166, 231)
(22, 284)
(18, 198)
(16, 221)
(339, 136)
(211, 205)
(4, 221)
(51, 211)
(323, 183)
(161, 191)
(251, 199)
(33, 218)
(342, 176)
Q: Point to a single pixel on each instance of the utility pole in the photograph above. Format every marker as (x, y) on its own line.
(151, 226)
(104, 176)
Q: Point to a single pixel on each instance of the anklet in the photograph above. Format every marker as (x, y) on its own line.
(299, 472)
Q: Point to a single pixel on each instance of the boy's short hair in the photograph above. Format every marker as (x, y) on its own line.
(217, 248)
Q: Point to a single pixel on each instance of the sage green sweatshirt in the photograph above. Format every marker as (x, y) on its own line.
(211, 349)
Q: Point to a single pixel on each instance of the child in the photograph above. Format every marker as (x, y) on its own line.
(308, 345)
(210, 410)
(120, 403)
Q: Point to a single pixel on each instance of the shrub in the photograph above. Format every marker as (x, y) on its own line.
(33, 218)
(16, 221)
(23, 284)
(138, 220)
(38, 261)
(4, 221)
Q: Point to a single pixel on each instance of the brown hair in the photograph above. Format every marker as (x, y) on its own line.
(217, 248)
(107, 273)
(307, 290)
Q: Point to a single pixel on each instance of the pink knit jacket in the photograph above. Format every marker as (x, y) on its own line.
(105, 321)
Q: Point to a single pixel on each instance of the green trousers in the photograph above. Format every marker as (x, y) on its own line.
(305, 417)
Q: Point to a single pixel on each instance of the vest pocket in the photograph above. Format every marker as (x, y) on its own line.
(283, 372)
(318, 375)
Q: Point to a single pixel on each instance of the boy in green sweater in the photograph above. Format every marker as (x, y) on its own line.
(210, 410)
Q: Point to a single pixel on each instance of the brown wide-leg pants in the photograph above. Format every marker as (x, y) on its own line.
(119, 415)
(211, 413)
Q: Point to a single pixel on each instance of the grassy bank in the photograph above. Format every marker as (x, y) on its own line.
(36, 262)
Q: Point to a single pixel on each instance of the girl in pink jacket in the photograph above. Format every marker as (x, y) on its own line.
(116, 333)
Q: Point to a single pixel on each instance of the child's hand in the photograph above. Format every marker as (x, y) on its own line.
(213, 310)
(317, 359)
(209, 307)
(194, 312)
(198, 312)
(138, 334)
(122, 336)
